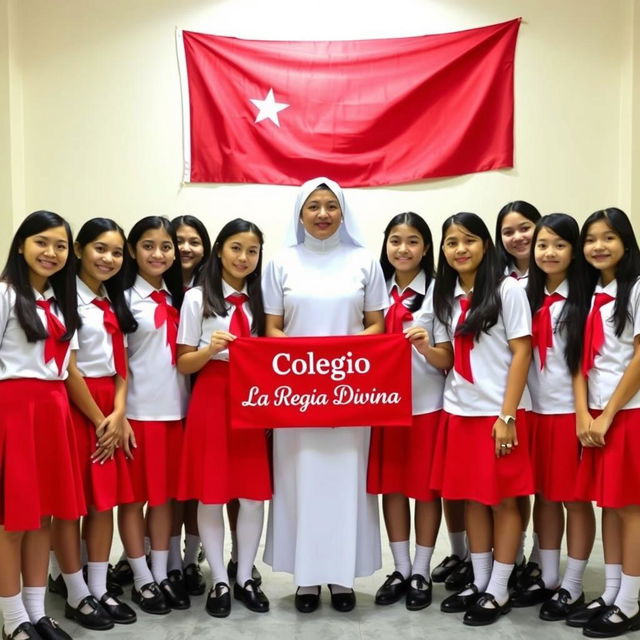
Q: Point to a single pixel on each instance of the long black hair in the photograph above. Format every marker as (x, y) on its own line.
(525, 209)
(627, 270)
(485, 301)
(63, 282)
(416, 221)
(173, 275)
(576, 307)
(89, 232)
(214, 303)
(191, 221)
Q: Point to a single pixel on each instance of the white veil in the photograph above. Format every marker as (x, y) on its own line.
(349, 230)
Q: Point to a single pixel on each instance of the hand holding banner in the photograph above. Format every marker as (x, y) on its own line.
(320, 382)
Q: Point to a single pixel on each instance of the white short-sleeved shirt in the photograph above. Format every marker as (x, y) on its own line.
(155, 390)
(427, 382)
(94, 357)
(490, 356)
(18, 357)
(551, 388)
(616, 352)
(196, 331)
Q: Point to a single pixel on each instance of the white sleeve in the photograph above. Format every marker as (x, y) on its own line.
(376, 297)
(516, 313)
(190, 328)
(272, 289)
(634, 306)
(5, 307)
(440, 331)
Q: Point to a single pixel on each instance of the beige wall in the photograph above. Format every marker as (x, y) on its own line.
(90, 109)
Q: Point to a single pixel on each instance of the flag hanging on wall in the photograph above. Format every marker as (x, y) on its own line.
(363, 112)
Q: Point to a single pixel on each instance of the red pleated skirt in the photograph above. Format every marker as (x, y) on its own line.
(220, 463)
(610, 475)
(400, 458)
(555, 454)
(108, 484)
(39, 468)
(465, 466)
(156, 460)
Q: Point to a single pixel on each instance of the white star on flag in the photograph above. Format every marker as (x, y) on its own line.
(268, 108)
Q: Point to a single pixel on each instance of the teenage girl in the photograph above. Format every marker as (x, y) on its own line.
(219, 464)
(38, 319)
(156, 404)
(559, 302)
(97, 388)
(194, 247)
(400, 458)
(483, 441)
(608, 410)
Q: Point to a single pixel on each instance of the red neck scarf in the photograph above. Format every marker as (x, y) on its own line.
(397, 312)
(594, 332)
(54, 348)
(168, 315)
(112, 327)
(463, 343)
(239, 324)
(542, 329)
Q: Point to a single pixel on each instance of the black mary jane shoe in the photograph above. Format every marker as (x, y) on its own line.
(457, 603)
(418, 592)
(343, 602)
(528, 576)
(516, 575)
(584, 614)
(558, 607)
(175, 595)
(119, 612)
(193, 580)
(232, 570)
(48, 629)
(113, 586)
(307, 602)
(442, 571)
(532, 597)
(603, 627)
(57, 586)
(478, 615)
(26, 629)
(155, 604)
(392, 589)
(96, 619)
(123, 573)
(218, 602)
(252, 596)
(459, 577)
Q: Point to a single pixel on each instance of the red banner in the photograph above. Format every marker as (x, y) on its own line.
(363, 112)
(320, 382)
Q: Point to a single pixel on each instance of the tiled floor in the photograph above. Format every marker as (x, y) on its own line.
(366, 622)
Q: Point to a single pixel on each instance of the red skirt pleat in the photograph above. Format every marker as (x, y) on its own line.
(39, 469)
(610, 475)
(400, 458)
(108, 484)
(220, 463)
(156, 460)
(465, 466)
(555, 454)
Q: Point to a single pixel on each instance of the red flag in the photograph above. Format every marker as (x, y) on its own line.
(364, 112)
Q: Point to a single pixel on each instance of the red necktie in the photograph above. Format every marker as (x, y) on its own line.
(239, 324)
(463, 343)
(112, 326)
(542, 330)
(166, 314)
(397, 312)
(54, 348)
(594, 332)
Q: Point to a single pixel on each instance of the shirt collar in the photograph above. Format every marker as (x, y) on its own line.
(228, 290)
(85, 295)
(459, 291)
(144, 289)
(46, 295)
(418, 284)
(611, 288)
(563, 289)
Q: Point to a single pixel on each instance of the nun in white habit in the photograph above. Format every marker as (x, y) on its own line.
(323, 526)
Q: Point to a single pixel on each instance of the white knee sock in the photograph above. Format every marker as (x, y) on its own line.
(550, 564)
(191, 549)
(211, 528)
(520, 553)
(458, 542)
(534, 556)
(141, 572)
(422, 561)
(401, 557)
(159, 559)
(54, 567)
(234, 545)
(175, 559)
(147, 545)
(13, 613)
(612, 576)
(498, 585)
(249, 530)
(627, 598)
(97, 578)
(573, 575)
(33, 599)
(77, 588)
(482, 564)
